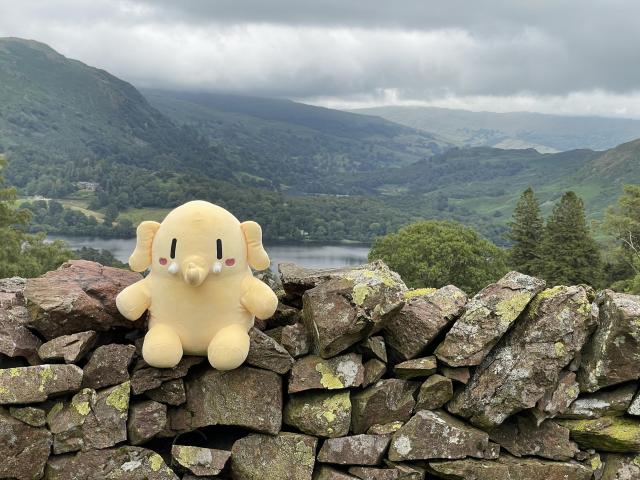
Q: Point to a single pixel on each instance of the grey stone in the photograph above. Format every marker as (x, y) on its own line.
(487, 318)
(434, 392)
(90, 420)
(265, 352)
(24, 449)
(130, 463)
(522, 436)
(199, 461)
(245, 397)
(146, 420)
(313, 372)
(509, 468)
(374, 369)
(318, 413)
(37, 383)
(612, 355)
(78, 296)
(108, 365)
(16, 340)
(528, 362)
(146, 377)
(424, 316)
(344, 310)
(603, 403)
(557, 399)
(386, 401)
(290, 457)
(354, 450)
(296, 340)
(69, 348)
(416, 368)
(36, 417)
(621, 467)
(171, 392)
(436, 434)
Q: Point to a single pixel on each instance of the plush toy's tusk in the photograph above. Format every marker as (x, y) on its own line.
(173, 268)
(217, 267)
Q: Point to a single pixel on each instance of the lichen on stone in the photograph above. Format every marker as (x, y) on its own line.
(508, 310)
(119, 397)
(418, 292)
(328, 379)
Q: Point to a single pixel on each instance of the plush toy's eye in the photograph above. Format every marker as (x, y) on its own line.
(219, 249)
(173, 247)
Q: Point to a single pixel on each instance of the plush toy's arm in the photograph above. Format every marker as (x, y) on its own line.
(258, 298)
(134, 300)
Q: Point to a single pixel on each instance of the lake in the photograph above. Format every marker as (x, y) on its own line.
(304, 254)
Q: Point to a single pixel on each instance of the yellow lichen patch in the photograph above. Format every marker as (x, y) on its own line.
(595, 463)
(303, 454)
(14, 372)
(537, 300)
(560, 349)
(45, 375)
(119, 397)
(508, 310)
(82, 408)
(637, 460)
(3, 391)
(418, 292)
(329, 416)
(328, 379)
(360, 293)
(155, 462)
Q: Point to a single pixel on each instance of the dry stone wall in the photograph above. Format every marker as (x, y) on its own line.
(354, 377)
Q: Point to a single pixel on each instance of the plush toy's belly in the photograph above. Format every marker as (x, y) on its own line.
(197, 314)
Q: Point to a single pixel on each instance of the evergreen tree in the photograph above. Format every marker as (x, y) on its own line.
(570, 255)
(526, 231)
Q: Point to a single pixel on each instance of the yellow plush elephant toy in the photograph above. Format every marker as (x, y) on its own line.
(201, 294)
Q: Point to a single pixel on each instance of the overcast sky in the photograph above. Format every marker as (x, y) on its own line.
(557, 56)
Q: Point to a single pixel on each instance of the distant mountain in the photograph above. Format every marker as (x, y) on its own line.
(546, 133)
(294, 146)
(56, 111)
(303, 172)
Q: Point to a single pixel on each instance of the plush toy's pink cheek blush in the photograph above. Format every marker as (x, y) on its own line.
(230, 262)
(163, 261)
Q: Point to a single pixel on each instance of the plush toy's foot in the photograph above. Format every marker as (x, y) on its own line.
(162, 347)
(229, 348)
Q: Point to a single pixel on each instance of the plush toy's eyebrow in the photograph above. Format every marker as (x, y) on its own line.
(173, 247)
(219, 248)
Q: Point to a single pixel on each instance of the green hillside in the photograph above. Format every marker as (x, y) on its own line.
(291, 145)
(303, 172)
(547, 133)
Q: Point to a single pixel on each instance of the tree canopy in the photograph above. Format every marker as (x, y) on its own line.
(526, 231)
(22, 254)
(569, 252)
(437, 253)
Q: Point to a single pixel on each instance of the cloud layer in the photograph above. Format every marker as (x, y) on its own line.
(570, 57)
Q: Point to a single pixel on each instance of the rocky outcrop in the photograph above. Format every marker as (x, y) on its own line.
(355, 377)
(79, 296)
(528, 362)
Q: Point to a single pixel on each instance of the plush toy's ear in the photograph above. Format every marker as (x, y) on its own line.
(256, 255)
(140, 259)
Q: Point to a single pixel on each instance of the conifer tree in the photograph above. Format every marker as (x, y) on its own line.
(526, 231)
(569, 252)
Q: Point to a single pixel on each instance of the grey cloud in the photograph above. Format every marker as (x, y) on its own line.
(416, 49)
